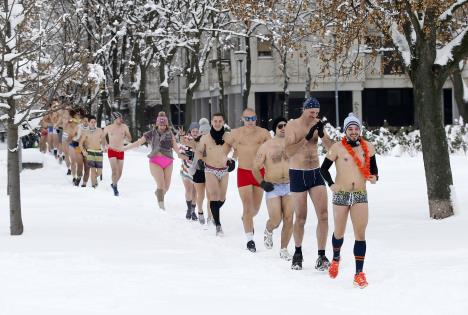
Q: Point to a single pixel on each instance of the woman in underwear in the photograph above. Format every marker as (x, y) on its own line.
(162, 143)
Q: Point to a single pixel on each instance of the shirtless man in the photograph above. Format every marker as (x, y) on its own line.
(272, 156)
(84, 129)
(212, 151)
(304, 174)
(355, 164)
(72, 130)
(246, 140)
(118, 132)
(91, 144)
(65, 118)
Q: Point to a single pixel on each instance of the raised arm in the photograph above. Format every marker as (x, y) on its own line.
(135, 144)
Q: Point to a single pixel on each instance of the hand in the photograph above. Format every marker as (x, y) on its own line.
(267, 186)
(123, 149)
(231, 164)
(84, 152)
(319, 126)
(105, 148)
(181, 131)
(335, 188)
(372, 179)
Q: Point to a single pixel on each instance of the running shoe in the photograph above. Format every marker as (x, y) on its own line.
(297, 261)
(251, 246)
(333, 269)
(360, 280)
(219, 231)
(114, 188)
(322, 263)
(194, 216)
(188, 215)
(69, 172)
(268, 239)
(285, 255)
(201, 218)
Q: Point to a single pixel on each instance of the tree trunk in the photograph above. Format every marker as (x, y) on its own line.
(427, 97)
(285, 87)
(308, 77)
(248, 73)
(219, 68)
(141, 105)
(188, 107)
(457, 81)
(14, 184)
(164, 88)
(115, 75)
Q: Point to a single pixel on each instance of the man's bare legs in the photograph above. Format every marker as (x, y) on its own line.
(288, 215)
(319, 198)
(300, 211)
(201, 191)
(216, 190)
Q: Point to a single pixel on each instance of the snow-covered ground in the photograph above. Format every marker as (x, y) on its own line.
(85, 251)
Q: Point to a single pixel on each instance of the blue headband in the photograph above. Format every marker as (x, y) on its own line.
(311, 102)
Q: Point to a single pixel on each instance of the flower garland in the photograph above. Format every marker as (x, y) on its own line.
(364, 169)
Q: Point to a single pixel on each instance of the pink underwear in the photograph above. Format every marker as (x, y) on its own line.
(161, 160)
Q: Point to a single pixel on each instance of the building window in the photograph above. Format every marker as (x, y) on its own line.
(264, 48)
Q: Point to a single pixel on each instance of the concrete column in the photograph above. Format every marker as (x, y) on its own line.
(357, 103)
(455, 113)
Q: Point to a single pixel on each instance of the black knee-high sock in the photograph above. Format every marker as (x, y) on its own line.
(189, 204)
(359, 254)
(214, 206)
(337, 243)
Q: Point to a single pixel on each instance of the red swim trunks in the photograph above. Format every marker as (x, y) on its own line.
(119, 155)
(246, 178)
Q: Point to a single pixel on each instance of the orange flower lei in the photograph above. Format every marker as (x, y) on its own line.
(364, 169)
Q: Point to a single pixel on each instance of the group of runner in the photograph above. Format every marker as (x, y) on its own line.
(286, 167)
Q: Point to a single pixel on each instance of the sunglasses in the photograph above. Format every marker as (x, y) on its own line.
(250, 118)
(280, 126)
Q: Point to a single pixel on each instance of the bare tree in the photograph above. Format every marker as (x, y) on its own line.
(31, 66)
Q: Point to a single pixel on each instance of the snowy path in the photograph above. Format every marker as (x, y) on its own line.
(87, 252)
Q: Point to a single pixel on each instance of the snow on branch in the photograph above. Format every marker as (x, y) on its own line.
(449, 12)
(444, 54)
(402, 44)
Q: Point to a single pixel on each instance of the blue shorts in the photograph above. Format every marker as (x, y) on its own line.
(303, 180)
(280, 190)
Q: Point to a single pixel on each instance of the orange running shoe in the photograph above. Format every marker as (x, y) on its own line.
(333, 269)
(360, 280)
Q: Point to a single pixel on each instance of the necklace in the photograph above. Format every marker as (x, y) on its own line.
(364, 169)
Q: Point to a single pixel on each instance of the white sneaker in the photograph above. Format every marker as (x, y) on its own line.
(268, 239)
(285, 255)
(161, 205)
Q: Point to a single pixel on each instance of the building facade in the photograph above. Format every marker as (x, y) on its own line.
(375, 95)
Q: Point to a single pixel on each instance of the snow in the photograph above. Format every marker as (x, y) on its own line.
(402, 44)
(85, 251)
(449, 12)
(444, 54)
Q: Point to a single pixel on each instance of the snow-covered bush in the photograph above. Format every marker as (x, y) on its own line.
(406, 140)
